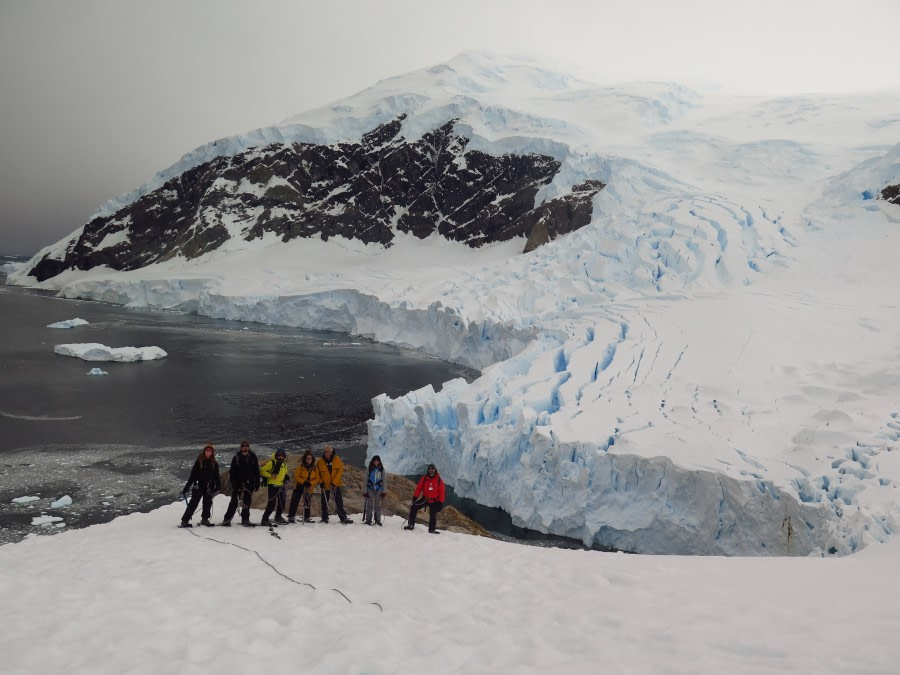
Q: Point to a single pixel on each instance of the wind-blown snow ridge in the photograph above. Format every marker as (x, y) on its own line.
(709, 366)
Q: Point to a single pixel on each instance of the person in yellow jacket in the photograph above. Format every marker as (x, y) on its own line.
(274, 472)
(331, 471)
(306, 477)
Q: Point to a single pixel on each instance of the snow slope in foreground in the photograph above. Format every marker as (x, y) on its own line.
(138, 595)
(710, 366)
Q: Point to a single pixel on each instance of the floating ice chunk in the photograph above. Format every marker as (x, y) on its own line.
(25, 500)
(62, 501)
(93, 351)
(10, 267)
(45, 520)
(97, 371)
(68, 323)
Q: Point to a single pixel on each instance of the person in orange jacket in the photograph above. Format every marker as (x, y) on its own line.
(429, 492)
(331, 472)
(306, 477)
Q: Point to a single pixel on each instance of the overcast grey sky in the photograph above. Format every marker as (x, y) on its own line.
(98, 95)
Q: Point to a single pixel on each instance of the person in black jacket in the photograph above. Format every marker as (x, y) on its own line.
(205, 481)
(244, 479)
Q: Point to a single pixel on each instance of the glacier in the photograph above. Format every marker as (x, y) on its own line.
(708, 367)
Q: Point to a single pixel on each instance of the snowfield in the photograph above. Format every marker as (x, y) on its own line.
(709, 367)
(139, 595)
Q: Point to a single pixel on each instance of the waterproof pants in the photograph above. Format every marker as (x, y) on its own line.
(327, 495)
(244, 494)
(373, 506)
(433, 508)
(299, 491)
(275, 502)
(196, 495)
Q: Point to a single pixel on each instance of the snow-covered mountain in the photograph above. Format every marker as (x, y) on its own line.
(369, 191)
(699, 356)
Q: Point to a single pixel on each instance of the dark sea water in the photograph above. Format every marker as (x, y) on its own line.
(125, 441)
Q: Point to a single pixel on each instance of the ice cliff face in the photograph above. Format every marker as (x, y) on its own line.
(700, 359)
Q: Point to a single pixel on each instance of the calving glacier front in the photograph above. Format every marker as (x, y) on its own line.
(697, 354)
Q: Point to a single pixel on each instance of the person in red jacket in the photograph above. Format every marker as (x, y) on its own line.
(429, 492)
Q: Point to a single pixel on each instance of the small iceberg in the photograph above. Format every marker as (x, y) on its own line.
(45, 520)
(97, 371)
(25, 500)
(65, 500)
(93, 351)
(68, 323)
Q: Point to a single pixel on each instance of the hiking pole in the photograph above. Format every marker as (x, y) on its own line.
(307, 503)
(327, 494)
(366, 510)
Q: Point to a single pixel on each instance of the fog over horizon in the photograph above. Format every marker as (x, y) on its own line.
(99, 95)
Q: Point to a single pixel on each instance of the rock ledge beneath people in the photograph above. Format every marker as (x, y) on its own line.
(396, 501)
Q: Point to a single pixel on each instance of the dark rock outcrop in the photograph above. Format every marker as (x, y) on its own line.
(892, 194)
(368, 191)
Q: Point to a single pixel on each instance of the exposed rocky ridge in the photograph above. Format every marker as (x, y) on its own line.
(367, 191)
(892, 194)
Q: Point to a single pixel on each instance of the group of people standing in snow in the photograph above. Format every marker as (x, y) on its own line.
(247, 476)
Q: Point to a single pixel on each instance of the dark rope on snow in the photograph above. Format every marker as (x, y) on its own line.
(348, 599)
(275, 569)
